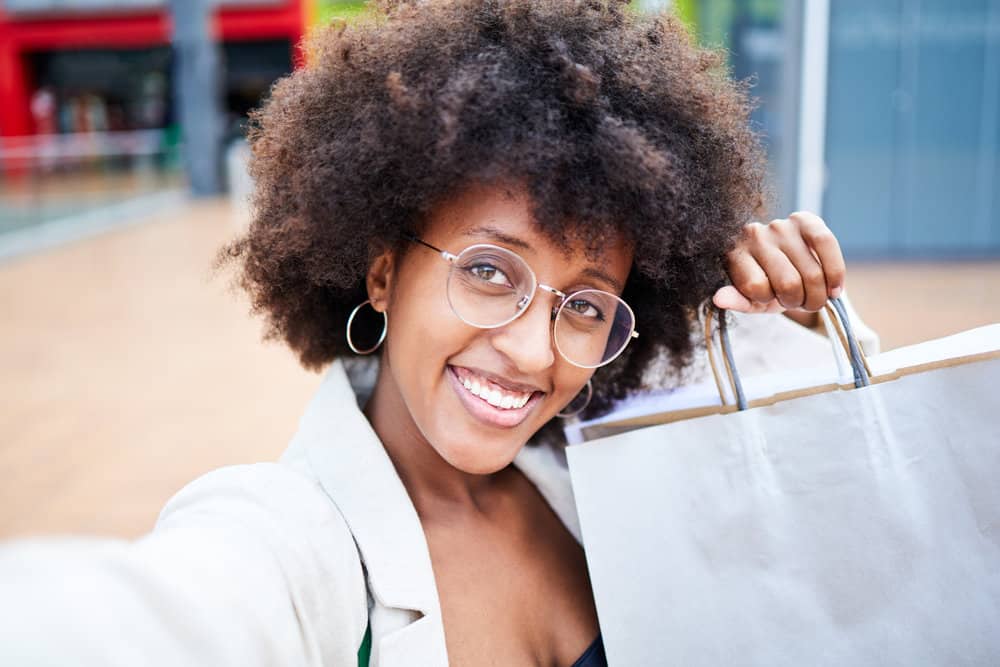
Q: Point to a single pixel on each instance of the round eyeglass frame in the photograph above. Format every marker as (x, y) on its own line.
(528, 298)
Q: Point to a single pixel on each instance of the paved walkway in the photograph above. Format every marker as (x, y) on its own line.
(129, 367)
(910, 302)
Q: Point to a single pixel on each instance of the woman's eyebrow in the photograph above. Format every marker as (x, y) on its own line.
(601, 275)
(492, 233)
(497, 235)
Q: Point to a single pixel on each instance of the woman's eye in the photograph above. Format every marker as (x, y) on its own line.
(585, 308)
(490, 274)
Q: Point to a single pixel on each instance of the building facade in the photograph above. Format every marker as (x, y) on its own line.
(104, 65)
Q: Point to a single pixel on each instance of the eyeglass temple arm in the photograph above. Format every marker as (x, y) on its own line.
(444, 253)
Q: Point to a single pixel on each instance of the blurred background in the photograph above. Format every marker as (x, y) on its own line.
(128, 365)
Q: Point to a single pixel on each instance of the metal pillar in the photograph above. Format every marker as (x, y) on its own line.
(811, 184)
(791, 94)
(197, 94)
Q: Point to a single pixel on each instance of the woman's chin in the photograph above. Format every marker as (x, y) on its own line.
(478, 455)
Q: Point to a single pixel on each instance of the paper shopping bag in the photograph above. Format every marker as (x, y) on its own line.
(857, 527)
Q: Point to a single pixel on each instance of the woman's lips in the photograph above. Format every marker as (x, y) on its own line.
(482, 409)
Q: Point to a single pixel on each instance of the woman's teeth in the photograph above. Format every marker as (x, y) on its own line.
(505, 400)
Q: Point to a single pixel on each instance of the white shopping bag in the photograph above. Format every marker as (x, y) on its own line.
(845, 527)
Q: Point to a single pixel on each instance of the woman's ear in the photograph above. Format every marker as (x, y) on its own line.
(379, 281)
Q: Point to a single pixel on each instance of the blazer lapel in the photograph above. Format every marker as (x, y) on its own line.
(358, 476)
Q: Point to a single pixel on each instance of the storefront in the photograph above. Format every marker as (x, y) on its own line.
(88, 120)
(105, 65)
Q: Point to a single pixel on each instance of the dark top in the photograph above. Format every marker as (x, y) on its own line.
(594, 655)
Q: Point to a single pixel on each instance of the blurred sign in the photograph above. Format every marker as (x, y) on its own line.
(83, 6)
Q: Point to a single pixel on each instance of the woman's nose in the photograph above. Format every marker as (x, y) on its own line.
(527, 341)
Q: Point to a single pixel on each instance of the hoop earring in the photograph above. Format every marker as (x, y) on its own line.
(566, 415)
(350, 321)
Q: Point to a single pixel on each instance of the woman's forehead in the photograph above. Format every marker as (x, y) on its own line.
(504, 215)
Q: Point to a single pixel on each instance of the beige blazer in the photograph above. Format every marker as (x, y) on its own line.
(266, 564)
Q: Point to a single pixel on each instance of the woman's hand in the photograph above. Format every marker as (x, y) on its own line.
(789, 264)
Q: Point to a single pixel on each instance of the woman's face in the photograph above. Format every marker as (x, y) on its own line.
(430, 353)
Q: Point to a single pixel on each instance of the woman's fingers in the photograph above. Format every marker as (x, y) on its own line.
(823, 242)
(751, 290)
(810, 276)
(747, 275)
(730, 298)
(786, 282)
(795, 262)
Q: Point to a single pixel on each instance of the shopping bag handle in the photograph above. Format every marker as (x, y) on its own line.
(841, 323)
(735, 384)
(845, 332)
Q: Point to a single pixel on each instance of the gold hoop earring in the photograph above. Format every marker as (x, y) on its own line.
(350, 321)
(573, 413)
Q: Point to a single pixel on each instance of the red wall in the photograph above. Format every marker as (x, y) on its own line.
(18, 38)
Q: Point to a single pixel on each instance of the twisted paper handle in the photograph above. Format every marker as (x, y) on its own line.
(838, 315)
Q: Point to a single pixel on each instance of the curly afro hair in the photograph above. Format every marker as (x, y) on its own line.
(616, 122)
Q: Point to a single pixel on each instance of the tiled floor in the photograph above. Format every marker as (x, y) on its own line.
(129, 367)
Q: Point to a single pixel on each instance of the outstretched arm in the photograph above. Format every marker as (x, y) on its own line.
(249, 565)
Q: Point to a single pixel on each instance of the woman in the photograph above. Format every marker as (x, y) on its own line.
(503, 209)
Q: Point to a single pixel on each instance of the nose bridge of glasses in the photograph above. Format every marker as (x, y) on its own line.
(525, 340)
(553, 290)
(526, 299)
(560, 297)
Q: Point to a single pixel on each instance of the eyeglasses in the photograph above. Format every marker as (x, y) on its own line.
(489, 286)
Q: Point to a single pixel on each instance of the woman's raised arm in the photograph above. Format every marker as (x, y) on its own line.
(248, 565)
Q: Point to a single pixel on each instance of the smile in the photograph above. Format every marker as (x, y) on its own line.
(490, 402)
(494, 395)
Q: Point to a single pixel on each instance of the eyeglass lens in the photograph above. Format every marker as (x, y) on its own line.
(489, 286)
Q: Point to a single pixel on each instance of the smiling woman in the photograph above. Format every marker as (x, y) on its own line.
(611, 124)
(516, 189)
(484, 321)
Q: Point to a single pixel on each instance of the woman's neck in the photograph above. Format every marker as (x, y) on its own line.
(433, 484)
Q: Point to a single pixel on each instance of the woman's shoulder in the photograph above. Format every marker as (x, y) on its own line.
(286, 516)
(272, 501)
(258, 489)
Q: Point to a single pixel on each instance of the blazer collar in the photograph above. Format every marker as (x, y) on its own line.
(356, 473)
